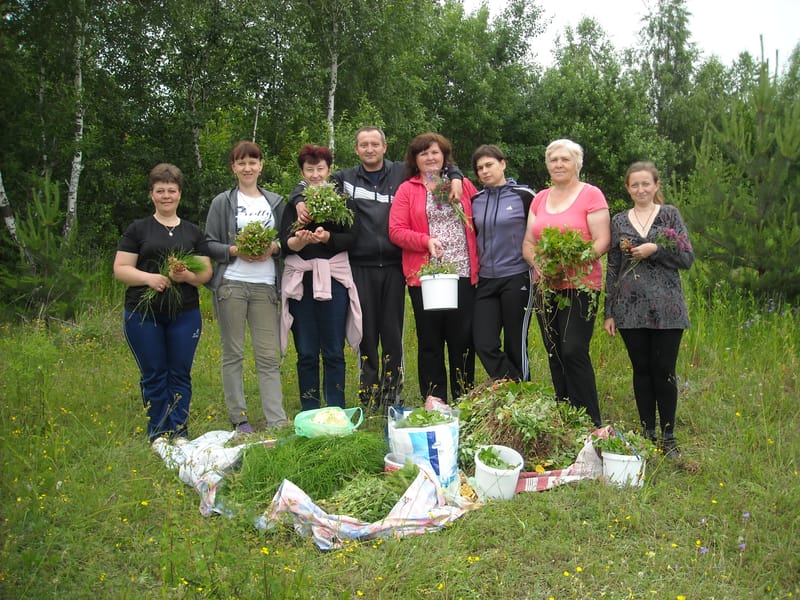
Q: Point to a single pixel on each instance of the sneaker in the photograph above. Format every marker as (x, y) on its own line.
(244, 427)
(159, 442)
(181, 441)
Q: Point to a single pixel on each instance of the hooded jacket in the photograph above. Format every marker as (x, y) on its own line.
(500, 215)
(221, 231)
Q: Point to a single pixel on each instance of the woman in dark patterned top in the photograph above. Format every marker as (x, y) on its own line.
(644, 298)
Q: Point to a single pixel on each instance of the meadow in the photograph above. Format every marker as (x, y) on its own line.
(88, 510)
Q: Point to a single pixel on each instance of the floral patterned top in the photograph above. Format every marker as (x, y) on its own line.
(647, 294)
(445, 224)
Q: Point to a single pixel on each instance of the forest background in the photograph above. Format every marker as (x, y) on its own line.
(97, 92)
(94, 93)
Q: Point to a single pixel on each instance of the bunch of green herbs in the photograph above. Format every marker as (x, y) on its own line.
(255, 239)
(563, 259)
(629, 443)
(419, 417)
(318, 466)
(490, 457)
(171, 299)
(325, 205)
(437, 266)
(370, 497)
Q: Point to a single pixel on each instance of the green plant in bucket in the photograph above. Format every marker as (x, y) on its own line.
(489, 457)
(629, 443)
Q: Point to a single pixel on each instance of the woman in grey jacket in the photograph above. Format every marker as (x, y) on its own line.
(503, 298)
(246, 288)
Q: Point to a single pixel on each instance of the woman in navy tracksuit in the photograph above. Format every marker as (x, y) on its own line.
(504, 294)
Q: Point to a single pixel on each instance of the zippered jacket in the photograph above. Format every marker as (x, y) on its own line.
(221, 231)
(500, 215)
(372, 247)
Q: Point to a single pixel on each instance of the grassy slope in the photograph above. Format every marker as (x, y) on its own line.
(88, 509)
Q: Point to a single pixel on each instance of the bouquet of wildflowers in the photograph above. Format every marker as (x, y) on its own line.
(325, 205)
(666, 237)
(255, 239)
(439, 187)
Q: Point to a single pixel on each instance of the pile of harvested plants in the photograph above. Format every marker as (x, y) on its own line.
(319, 466)
(524, 416)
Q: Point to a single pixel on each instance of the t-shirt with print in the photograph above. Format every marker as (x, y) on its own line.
(250, 209)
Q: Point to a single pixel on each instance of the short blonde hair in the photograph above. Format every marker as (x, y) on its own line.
(573, 148)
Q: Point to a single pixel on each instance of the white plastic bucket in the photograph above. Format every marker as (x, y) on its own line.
(498, 484)
(393, 462)
(439, 292)
(623, 470)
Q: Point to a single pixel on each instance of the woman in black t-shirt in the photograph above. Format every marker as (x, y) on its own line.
(162, 307)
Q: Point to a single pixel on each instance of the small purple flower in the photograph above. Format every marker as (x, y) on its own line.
(746, 515)
(703, 550)
(742, 547)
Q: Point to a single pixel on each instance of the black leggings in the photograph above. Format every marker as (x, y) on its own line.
(653, 354)
(567, 333)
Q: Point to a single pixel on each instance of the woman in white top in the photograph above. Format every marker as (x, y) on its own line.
(246, 288)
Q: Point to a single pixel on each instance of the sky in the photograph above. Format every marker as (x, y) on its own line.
(721, 27)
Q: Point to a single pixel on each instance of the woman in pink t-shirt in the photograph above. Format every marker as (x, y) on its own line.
(567, 332)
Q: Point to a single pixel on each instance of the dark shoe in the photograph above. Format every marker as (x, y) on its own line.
(244, 427)
(650, 434)
(670, 447)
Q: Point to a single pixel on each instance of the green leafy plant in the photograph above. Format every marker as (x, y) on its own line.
(370, 497)
(629, 443)
(255, 238)
(325, 205)
(437, 266)
(563, 259)
(170, 299)
(490, 457)
(419, 417)
(524, 416)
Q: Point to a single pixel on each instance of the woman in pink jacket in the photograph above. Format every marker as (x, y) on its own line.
(425, 224)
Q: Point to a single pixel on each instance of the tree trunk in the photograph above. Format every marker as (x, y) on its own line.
(10, 221)
(77, 158)
(332, 89)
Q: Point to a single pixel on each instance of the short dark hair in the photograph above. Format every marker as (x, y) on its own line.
(313, 154)
(246, 149)
(369, 128)
(487, 150)
(165, 173)
(421, 143)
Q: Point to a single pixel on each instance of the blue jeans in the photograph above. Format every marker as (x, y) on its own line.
(319, 326)
(164, 348)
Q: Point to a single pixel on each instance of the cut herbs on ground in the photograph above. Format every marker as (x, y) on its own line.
(524, 416)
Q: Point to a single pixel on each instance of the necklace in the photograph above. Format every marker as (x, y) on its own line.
(169, 228)
(638, 220)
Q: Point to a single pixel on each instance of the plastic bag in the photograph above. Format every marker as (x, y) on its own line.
(435, 444)
(330, 420)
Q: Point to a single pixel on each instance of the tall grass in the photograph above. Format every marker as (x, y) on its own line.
(88, 510)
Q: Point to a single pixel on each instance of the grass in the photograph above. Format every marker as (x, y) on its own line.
(88, 510)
